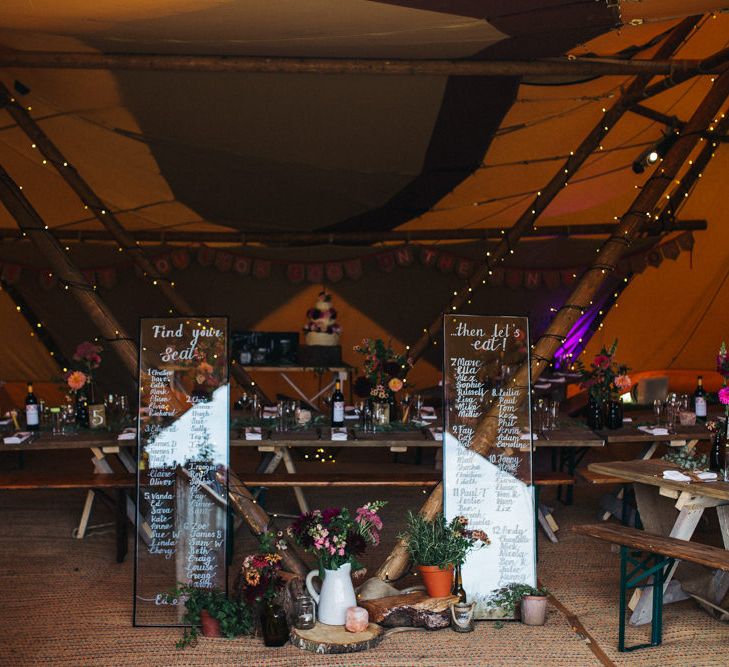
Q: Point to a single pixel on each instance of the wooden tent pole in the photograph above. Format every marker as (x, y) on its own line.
(527, 220)
(31, 223)
(104, 215)
(631, 225)
(112, 331)
(396, 563)
(148, 62)
(287, 239)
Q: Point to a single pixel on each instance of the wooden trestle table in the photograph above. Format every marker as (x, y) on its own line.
(673, 508)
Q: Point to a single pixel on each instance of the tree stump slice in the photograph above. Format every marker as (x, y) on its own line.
(333, 639)
(415, 610)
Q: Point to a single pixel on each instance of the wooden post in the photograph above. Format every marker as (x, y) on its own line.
(288, 239)
(103, 214)
(146, 62)
(527, 220)
(608, 257)
(612, 250)
(31, 223)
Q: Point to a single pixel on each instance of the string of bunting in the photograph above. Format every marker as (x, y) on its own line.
(332, 272)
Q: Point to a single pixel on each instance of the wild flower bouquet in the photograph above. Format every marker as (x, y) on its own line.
(260, 572)
(606, 378)
(383, 370)
(88, 355)
(335, 537)
(722, 367)
(260, 578)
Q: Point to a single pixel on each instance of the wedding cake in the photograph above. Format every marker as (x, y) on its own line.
(322, 327)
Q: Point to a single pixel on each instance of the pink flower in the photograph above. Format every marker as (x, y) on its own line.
(623, 382)
(724, 395)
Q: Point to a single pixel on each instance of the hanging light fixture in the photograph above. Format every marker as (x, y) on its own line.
(657, 151)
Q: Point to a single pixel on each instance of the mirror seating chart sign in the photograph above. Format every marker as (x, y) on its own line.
(182, 465)
(487, 449)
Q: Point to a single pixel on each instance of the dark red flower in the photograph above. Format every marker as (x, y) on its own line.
(362, 387)
(328, 514)
(355, 543)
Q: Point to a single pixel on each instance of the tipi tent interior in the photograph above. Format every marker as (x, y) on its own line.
(562, 160)
(246, 189)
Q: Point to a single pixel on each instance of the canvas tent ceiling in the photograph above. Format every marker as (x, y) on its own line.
(210, 151)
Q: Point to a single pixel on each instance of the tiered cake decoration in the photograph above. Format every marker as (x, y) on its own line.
(322, 327)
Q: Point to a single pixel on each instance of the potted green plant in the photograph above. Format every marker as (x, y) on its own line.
(531, 602)
(213, 611)
(437, 546)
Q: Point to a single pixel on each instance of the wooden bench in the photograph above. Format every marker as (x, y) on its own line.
(600, 478)
(544, 513)
(661, 553)
(24, 480)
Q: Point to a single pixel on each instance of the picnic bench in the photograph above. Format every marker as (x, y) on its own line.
(658, 555)
(88, 481)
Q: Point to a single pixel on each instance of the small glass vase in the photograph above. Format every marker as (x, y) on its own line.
(594, 414)
(273, 624)
(381, 413)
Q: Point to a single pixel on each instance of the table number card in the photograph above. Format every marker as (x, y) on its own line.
(492, 489)
(182, 462)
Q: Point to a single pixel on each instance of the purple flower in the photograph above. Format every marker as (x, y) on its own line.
(724, 395)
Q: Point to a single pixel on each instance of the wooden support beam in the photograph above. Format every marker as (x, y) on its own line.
(103, 214)
(527, 220)
(714, 63)
(657, 116)
(397, 562)
(631, 226)
(156, 62)
(111, 330)
(340, 238)
(61, 265)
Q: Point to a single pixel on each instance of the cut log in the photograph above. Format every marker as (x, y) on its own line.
(335, 639)
(415, 610)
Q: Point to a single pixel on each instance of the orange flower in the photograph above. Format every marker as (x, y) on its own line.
(395, 384)
(76, 380)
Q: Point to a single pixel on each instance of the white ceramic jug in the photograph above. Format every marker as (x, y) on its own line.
(337, 593)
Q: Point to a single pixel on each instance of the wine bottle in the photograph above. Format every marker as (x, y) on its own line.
(458, 586)
(700, 400)
(82, 408)
(32, 410)
(337, 405)
(717, 453)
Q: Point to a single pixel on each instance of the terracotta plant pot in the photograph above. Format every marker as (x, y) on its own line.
(533, 609)
(210, 625)
(438, 581)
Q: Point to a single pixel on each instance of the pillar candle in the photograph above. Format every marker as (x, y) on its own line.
(357, 619)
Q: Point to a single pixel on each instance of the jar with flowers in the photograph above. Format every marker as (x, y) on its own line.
(80, 380)
(261, 582)
(605, 381)
(383, 375)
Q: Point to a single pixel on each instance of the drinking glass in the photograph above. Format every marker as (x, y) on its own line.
(658, 411)
(553, 414)
(672, 406)
(539, 412)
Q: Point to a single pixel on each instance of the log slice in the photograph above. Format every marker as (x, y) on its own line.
(332, 639)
